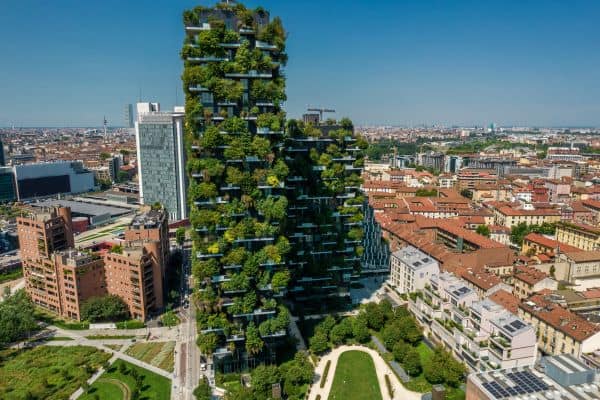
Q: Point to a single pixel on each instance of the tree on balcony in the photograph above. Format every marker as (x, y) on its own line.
(254, 343)
(207, 343)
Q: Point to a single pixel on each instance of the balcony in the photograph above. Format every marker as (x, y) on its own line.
(266, 46)
(204, 27)
(198, 88)
(250, 75)
(202, 60)
(212, 202)
(236, 338)
(254, 240)
(230, 45)
(208, 256)
(267, 131)
(278, 334)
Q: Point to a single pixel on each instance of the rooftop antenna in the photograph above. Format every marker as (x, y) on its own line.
(320, 110)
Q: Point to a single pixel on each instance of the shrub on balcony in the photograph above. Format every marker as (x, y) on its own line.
(234, 125)
(273, 33)
(249, 302)
(280, 280)
(268, 304)
(355, 234)
(207, 343)
(204, 269)
(254, 343)
(211, 138)
(202, 191)
(334, 151)
(261, 147)
(273, 208)
(280, 169)
(237, 282)
(201, 218)
(269, 120)
(235, 256)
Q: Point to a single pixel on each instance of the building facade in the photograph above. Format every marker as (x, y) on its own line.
(50, 178)
(411, 270)
(60, 278)
(161, 158)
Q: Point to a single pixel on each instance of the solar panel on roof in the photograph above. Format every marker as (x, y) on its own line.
(518, 324)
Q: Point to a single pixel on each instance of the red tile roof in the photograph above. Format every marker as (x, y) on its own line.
(529, 275)
(506, 300)
(559, 318)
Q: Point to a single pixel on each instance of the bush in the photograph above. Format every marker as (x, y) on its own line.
(412, 362)
(103, 309)
(325, 372)
(131, 324)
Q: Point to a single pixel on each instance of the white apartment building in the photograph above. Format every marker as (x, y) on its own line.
(411, 269)
(483, 334)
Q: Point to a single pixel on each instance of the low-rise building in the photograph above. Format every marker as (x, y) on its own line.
(528, 280)
(561, 377)
(582, 236)
(558, 329)
(411, 269)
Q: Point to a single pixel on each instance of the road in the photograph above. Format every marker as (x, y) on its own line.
(187, 361)
(12, 285)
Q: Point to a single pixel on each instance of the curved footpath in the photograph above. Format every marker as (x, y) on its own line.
(381, 368)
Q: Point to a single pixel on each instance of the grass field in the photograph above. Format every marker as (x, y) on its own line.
(116, 385)
(47, 372)
(355, 378)
(158, 354)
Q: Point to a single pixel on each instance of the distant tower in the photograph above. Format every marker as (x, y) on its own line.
(105, 127)
(128, 116)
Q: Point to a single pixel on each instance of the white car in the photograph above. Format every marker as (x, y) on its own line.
(202, 366)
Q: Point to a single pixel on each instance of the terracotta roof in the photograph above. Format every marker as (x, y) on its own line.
(584, 256)
(483, 280)
(595, 204)
(516, 212)
(593, 293)
(578, 226)
(529, 275)
(549, 243)
(506, 300)
(559, 318)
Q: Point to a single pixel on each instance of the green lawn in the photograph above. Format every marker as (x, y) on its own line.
(158, 354)
(355, 378)
(113, 385)
(47, 372)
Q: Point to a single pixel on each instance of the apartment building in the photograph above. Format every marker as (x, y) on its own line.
(581, 264)
(411, 269)
(535, 243)
(558, 329)
(483, 283)
(60, 278)
(482, 333)
(528, 280)
(582, 236)
(511, 216)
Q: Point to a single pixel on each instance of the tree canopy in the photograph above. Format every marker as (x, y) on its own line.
(16, 317)
(106, 308)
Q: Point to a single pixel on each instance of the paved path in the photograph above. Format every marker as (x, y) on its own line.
(381, 368)
(395, 366)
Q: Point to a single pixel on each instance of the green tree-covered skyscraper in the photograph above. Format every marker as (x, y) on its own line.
(274, 206)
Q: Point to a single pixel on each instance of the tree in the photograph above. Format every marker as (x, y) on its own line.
(412, 362)
(104, 156)
(360, 330)
(409, 330)
(16, 317)
(341, 331)
(319, 343)
(375, 317)
(180, 235)
(391, 334)
(263, 379)
(105, 308)
(400, 350)
(203, 391)
(122, 176)
(207, 343)
(483, 230)
(254, 343)
(466, 193)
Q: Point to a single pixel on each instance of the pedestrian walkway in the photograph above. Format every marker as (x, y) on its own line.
(381, 367)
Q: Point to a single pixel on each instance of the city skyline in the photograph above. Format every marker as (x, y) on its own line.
(461, 64)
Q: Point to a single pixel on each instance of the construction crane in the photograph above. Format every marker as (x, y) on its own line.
(321, 111)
